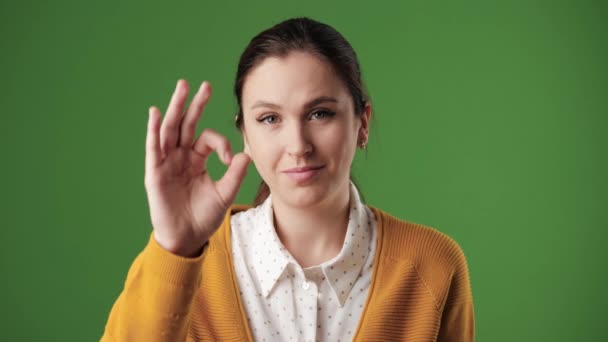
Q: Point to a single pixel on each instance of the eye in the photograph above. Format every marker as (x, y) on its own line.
(268, 119)
(320, 114)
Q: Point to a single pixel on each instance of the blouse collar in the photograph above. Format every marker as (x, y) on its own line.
(341, 272)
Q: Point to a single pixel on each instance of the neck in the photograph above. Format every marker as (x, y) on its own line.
(313, 235)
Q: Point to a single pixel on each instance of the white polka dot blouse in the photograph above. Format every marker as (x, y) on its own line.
(285, 302)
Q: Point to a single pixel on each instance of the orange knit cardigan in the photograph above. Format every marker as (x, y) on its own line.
(420, 291)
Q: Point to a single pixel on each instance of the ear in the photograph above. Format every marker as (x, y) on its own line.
(365, 117)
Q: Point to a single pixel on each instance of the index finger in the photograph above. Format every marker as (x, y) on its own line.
(153, 151)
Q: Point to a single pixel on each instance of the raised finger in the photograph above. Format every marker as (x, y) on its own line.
(195, 110)
(169, 131)
(153, 151)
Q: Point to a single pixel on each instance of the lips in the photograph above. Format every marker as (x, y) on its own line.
(304, 173)
(302, 169)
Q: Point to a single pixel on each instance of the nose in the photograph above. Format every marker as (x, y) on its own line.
(297, 140)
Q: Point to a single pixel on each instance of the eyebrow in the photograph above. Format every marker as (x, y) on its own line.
(311, 103)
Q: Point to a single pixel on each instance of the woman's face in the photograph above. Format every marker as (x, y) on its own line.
(297, 113)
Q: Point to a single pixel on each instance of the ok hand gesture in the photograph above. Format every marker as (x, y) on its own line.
(186, 205)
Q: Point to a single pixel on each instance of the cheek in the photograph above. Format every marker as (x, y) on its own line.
(339, 145)
(265, 153)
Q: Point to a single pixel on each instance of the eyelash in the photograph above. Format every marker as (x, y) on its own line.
(328, 114)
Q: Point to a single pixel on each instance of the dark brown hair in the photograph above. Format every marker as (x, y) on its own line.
(308, 35)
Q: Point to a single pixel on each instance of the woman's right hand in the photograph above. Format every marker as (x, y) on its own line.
(186, 205)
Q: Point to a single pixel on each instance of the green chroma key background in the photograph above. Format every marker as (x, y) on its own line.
(490, 126)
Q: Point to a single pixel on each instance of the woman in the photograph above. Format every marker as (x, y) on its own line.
(309, 261)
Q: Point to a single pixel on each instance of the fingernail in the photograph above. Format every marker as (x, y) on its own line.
(206, 91)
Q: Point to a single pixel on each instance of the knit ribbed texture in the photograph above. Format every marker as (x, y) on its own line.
(420, 291)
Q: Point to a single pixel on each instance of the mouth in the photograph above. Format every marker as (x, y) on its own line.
(303, 174)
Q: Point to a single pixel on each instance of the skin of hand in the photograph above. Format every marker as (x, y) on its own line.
(186, 205)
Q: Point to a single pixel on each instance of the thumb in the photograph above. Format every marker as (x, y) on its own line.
(230, 183)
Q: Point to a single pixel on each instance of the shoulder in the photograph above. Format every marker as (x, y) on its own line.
(436, 257)
(426, 247)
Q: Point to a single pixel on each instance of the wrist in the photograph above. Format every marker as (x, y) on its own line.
(180, 249)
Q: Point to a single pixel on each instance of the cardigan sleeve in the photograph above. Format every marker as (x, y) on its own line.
(458, 317)
(158, 293)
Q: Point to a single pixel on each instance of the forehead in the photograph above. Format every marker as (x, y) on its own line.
(292, 80)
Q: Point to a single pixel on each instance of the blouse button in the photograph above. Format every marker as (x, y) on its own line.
(305, 286)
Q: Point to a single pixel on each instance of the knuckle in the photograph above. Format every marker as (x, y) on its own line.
(189, 124)
(170, 125)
